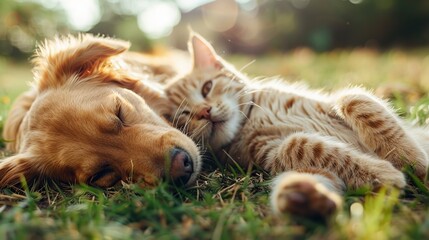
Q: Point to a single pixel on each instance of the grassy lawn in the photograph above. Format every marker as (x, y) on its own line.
(228, 202)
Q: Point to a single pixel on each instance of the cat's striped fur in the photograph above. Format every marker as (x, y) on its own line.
(318, 144)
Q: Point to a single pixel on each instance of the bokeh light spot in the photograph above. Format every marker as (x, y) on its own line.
(82, 14)
(300, 4)
(356, 1)
(159, 19)
(189, 5)
(356, 210)
(220, 15)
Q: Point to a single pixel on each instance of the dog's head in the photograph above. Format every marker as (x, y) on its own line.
(88, 125)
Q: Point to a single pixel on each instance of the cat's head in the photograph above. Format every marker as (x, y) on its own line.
(212, 101)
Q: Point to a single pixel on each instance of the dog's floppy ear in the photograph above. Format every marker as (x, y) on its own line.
(57, 61)
(13, 168)
(13, 125)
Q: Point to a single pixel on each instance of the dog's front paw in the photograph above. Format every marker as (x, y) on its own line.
(304, 195)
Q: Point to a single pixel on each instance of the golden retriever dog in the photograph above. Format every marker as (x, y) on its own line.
(93, 117)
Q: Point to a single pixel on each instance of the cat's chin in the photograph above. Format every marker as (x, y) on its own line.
(218, 126)
(223, 132)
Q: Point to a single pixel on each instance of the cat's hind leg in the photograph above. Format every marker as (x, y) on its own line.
(334, 164)
(380, 130)
(314, 193)
(303, 150)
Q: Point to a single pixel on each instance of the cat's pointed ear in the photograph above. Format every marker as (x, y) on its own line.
(204, 56)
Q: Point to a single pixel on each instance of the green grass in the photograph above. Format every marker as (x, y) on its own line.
(232, 203)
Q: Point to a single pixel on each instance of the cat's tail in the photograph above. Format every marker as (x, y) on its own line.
(314, 193)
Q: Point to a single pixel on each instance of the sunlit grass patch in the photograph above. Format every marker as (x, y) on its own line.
(222, 205)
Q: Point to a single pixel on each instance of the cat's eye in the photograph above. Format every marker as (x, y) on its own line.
(206, 88)
(185, 112)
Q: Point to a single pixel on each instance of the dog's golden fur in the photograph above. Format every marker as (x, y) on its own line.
(90, 117)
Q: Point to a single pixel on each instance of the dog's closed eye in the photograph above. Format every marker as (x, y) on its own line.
(120, 114)
(105, 177)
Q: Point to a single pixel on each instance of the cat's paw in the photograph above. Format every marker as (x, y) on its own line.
(304, 195)
(388, 176)
(357, 102)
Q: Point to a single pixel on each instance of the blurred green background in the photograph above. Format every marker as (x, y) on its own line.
(326, 42)
(245, 26)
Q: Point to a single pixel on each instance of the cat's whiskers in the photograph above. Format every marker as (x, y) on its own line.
(251, 92)
(188, 120)
(247, 65)
(200, 142)
(227, 87)
(177, 114)
(256, 105)
(242, 104)
(232, 79)
(243, 92)
(247, 91)
(184, 126)
(235, 75)
(198, 131)
(243, 114)
(251, 103)
(193, 137)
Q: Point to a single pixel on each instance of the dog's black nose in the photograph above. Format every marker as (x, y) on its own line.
(181, 166)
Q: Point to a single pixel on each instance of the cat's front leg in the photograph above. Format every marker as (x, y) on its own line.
(312, 192)
(380, 130)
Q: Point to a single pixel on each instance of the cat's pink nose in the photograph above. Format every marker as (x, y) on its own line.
(204, 113)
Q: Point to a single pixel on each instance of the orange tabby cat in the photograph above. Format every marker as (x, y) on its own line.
(318, 144)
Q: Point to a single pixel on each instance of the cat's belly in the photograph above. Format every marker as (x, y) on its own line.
(310, 118)
(306, 116)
